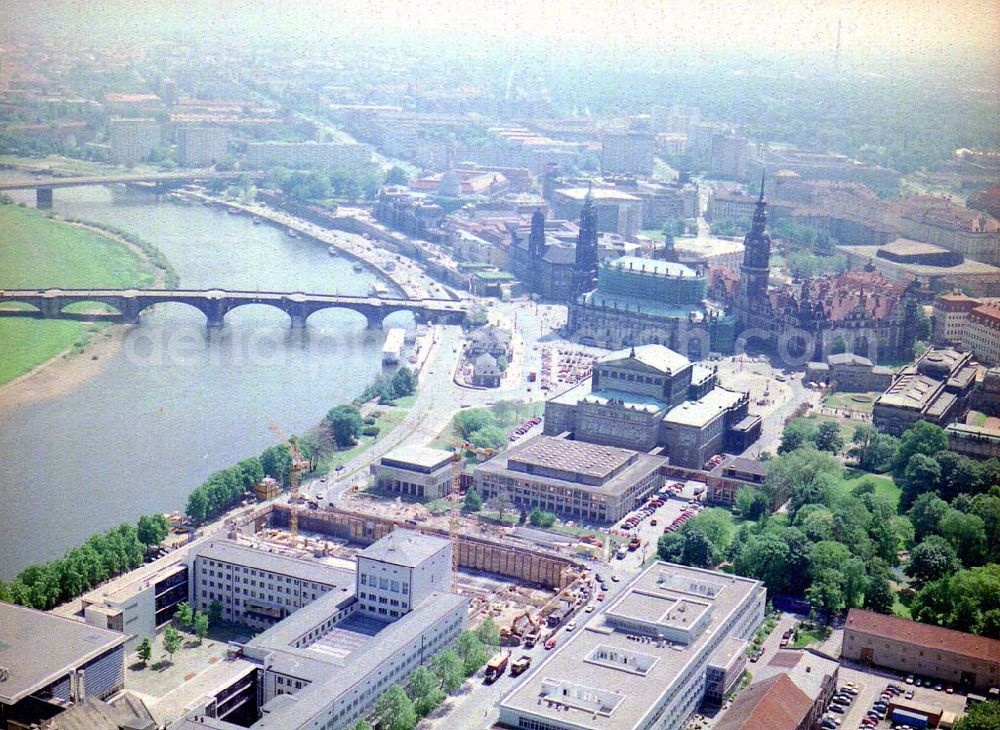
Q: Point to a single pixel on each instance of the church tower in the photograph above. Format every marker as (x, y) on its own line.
(585, 270)
(755, 271)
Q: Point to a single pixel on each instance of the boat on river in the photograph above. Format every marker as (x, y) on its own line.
(332, 250)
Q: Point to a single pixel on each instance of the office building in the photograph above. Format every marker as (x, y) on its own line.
(48, 662)
(650, 396)
(202, 146)
(646, 658)
(975, 442)
(733, 474)
(938, 388)
(325, 666)
(951, 312)
(255, 587)
(414, 471)
(615, 210)
(982, 333)
(965, 660)
(579, 480)
(132, 140)
(630, 153)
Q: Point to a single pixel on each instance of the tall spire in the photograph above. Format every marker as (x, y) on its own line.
(760, 212)
(761, 199)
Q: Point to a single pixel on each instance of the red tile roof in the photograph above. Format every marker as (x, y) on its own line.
(774, 703)
(923, 635)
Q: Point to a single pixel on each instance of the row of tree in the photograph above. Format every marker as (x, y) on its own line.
(226, 488)
(103, 556)
(401, 708)
(402, 383)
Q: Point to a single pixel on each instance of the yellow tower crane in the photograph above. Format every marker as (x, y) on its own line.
(298, 467)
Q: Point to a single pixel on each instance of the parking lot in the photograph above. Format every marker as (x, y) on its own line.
(872, 682)
(675, 505)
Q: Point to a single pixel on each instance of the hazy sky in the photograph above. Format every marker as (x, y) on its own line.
(878, 27)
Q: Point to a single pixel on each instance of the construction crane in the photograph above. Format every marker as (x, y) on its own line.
(298, 466)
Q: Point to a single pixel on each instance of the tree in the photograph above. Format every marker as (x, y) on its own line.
(923, 437)
(200, 625)
(765, 557)
(796, 434)
(396, 175)
(362, 725)
(855, 583)
(395, 710)
(921, 474)
(474, 419)
(171, 641)
(345, 424)
(473, 502)
(752, 504)
(472, 652)
(931, 560)
(144, 650)
(404, 383)
(967, 534)
(874, 451)
(879, 596)
(826, 591)
(276, 461)
(152, 529)
(488, 632)
(490, 437)
(197, 505)
(926, 514)
(420, 683)
(816, 521)
(425, 705)
(500, 504)
(981, 716)
(698, 551)
(968, 601)
(447, 666)
(838, 346)
(828, 437)
(794, 475)
(184, 614)
(538, 518)
(987, 508)
(214, 611)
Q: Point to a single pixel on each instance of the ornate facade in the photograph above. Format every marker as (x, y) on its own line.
(872, 315)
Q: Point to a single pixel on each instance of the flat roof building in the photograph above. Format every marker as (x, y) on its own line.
(643, 660)
(918, 648)
(48, 662)
(416, 471)
(573, 478)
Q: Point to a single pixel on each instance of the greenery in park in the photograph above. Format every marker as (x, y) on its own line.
(343, 426)
(171, 641)
(103, 556)
(144, 651)
(823, 435)
(873, 450)
(403, 383)
(473, 502)
(981, 716)
(538, 518)
(152, 529)
(39, 251)
(350, 183)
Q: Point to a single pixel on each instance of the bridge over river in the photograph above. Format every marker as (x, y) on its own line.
(216, 303)
(164, 180)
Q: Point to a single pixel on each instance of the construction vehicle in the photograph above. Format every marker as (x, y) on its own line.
(299, 466)
(496, 666)
(520, 666)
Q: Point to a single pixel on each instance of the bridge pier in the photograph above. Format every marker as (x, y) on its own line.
(374, 321)
(43, 198)
(298, 320)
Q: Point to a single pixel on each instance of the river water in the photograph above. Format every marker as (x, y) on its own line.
(179, 400)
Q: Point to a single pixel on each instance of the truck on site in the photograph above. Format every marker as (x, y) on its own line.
(520, 665)
(496, 667)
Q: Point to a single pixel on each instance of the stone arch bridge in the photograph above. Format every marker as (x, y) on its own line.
(216, 303)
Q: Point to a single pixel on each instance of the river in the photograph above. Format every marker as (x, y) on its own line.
(179, 401)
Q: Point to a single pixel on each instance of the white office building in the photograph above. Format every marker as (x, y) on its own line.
(647, 660)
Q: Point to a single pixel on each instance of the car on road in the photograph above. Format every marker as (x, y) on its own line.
(600, 596)
(550, 644)
(615, 579)
(590, 608)
(340, 467)
(571, 625)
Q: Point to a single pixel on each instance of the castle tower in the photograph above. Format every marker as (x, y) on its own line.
(755, 271)
(585, 271)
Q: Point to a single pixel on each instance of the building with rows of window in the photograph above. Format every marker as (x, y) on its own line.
(648, 658)
(324, 666)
